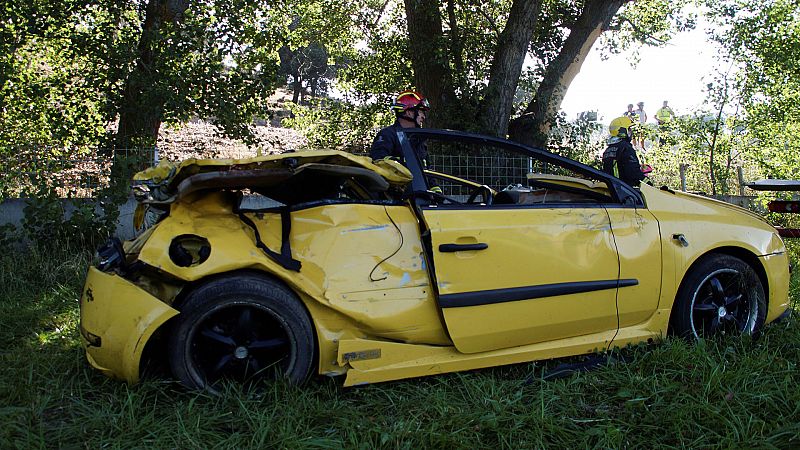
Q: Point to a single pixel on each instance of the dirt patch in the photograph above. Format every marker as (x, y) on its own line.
(202, 139)
(198, 139)
(81, 173)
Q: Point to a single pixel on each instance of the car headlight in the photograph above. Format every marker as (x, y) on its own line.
(110, 256)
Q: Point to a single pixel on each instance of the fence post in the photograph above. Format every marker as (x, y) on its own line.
(682, 169)
(740, 175)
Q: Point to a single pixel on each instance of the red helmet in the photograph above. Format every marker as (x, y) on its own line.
(410, 100)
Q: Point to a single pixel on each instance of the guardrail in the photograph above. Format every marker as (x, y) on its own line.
(780, 206)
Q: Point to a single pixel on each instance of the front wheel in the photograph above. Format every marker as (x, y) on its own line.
(241, 329)
(721, 295)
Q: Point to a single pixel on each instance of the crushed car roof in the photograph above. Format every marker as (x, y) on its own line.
(169, 181)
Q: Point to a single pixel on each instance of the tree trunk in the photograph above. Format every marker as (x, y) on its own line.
(456, 46)
(512, 47)
(432, 75)
(297, 86)
(533, 127)
(141, 112)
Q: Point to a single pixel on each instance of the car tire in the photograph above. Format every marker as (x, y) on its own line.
(722, 294)
(242, 328)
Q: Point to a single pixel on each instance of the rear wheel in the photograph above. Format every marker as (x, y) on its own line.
(721, 295)
(243, 329)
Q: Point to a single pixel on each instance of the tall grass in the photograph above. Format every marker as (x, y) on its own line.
(728, 393)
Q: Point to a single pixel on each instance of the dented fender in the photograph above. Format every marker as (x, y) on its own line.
(362, 265)
(117, 320)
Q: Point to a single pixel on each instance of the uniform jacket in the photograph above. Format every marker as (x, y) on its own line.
(386, 144)
(620, 160)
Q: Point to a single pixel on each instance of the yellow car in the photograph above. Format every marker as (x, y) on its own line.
(472, 252)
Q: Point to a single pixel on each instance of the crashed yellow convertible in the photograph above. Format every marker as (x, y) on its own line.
(323, 262)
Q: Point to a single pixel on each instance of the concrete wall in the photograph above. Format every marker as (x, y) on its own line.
(13, 211)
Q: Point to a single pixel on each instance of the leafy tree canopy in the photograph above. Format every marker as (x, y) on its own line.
(762, 40)
(70, 69)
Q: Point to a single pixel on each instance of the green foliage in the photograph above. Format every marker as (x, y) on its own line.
(751, 118)
(338, 125)
(69, 69)
(44, 220)
(383, 67)
(652, 23)
(9, 238)
(687, 145)
(79, 223)
(59, 64)
(579, 140)
(55, 213)
(762, 39)
(218, 60)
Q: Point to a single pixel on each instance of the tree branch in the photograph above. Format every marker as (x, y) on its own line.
(647, 38)
(491, 21)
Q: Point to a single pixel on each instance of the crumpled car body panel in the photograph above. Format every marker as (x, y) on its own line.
(397, 285)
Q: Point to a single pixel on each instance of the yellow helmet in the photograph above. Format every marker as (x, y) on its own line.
(621, 127)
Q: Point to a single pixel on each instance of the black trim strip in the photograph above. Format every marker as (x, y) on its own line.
(320, 203)
(489, 297)
(284, 258)
(502, 207)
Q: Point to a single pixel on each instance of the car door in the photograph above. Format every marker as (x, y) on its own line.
(638, 240)
(510, 276)
(543, 263)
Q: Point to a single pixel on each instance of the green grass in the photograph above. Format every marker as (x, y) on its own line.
(729, 393)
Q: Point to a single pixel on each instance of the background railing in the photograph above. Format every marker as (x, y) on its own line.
(26, 172)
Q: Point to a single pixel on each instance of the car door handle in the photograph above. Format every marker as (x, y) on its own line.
(449, 248)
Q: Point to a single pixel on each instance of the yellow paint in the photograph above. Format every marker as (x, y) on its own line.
(365, 278)
(777, 267)
(636, 235)
(399, 360)
(526, 247)
(124, 317)
(580, 183)
(336, 265)
(708, 226)
(170, 173)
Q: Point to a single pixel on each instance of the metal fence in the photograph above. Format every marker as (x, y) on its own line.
(496, 172)
(33, 171)
(38, 170)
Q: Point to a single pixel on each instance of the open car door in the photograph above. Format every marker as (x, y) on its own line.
(536, 262)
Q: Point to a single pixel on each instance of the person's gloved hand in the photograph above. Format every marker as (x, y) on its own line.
(436, 189)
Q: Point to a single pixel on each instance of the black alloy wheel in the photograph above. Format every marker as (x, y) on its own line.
(721, 295)
(241, 329)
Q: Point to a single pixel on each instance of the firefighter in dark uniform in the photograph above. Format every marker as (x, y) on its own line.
(410, 109)
(620, 158)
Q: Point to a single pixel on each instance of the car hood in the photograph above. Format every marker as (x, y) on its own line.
(714, 203)
(169, 181)
(711, 223)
